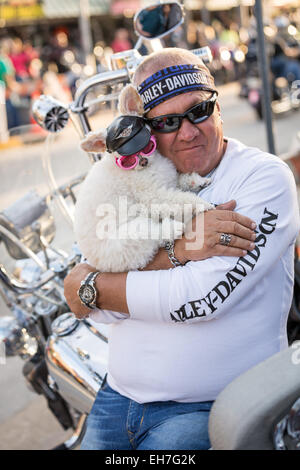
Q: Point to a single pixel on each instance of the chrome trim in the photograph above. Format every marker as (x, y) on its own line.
(50, 113)
(27, 251)
(288, 427)
(78, 434)
(64, 324)
(78, 363)
(95, 331)
(293, 424)
(19, 287)
(110, 77)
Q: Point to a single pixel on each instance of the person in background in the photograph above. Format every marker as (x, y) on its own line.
(8, 80)
(286, 54)
(21, 57)
(121, 41)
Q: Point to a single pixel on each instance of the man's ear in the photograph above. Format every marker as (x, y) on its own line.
(130, 101)
(94, 142)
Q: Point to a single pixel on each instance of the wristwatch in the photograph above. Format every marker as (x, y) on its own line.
(169, 247)
(87, 291)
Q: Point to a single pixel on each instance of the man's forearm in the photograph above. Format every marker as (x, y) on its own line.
(111, 288)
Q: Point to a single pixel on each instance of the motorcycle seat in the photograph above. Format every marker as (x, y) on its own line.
(245, 413)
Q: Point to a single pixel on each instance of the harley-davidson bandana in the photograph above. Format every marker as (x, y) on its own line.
(172, 81)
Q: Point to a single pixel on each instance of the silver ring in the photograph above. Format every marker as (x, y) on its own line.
(225, 239)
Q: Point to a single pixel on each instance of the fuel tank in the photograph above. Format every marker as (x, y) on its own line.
(77, 357)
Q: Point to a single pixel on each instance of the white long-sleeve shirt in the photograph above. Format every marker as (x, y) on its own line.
(193, 329)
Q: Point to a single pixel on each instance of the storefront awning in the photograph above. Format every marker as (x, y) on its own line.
(71, 8)
(20, 11)
(118, 7)
(214, 5)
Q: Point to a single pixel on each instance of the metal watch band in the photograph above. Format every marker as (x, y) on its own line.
(88, 283)
(169, 247)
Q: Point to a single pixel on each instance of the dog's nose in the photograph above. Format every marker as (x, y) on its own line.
(143, 161)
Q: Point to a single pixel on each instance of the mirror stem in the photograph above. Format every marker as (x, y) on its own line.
(139, 43)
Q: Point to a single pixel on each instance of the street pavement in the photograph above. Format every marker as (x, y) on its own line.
(25, 421)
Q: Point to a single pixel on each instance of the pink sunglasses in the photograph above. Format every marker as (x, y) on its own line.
(128, 162)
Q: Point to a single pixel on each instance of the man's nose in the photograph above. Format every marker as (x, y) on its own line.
(187, 131)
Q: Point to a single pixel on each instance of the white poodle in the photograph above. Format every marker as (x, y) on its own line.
(123, 217)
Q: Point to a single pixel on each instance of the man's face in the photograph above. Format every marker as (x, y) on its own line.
(193, 147)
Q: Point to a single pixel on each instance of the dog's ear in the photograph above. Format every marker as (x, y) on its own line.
(94, 142)
(130, 101)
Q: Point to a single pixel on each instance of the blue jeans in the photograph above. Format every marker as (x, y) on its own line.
(117, 423)
(283, 66)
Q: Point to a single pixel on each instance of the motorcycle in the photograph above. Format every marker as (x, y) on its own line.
(282, 90)
(32, 270)
(65, 359)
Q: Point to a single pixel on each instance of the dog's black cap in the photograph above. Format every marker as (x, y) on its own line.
(127, 135)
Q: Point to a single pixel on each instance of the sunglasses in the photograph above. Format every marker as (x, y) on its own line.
(172, 122)
(128, 162)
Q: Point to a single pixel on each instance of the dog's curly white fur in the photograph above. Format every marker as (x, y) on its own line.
(116, 210)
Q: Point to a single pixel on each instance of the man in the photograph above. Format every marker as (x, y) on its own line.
(181, 334)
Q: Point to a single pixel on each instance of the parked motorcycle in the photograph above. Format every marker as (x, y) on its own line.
(42, 331)
(65, 359)
(282, 90)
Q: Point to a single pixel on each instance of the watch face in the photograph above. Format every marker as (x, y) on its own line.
(87, 294)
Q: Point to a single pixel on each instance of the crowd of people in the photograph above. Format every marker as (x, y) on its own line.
(20, 80)
(27, 71)
(234, 48)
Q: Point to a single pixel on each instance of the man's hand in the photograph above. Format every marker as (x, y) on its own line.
(202, 241)
(71, 286)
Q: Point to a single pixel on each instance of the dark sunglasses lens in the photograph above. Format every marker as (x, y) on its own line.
(165, 124)
(201, 112)
(197, 114)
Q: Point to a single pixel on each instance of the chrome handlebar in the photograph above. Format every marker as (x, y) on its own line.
(112, 77)
(19, 287)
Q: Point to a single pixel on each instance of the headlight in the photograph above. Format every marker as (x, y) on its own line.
(50, 114)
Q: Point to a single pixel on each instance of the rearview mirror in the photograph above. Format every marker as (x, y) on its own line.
(157, 21)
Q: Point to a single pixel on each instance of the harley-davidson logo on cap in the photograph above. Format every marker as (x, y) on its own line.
(127, 135)
(126, 132)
